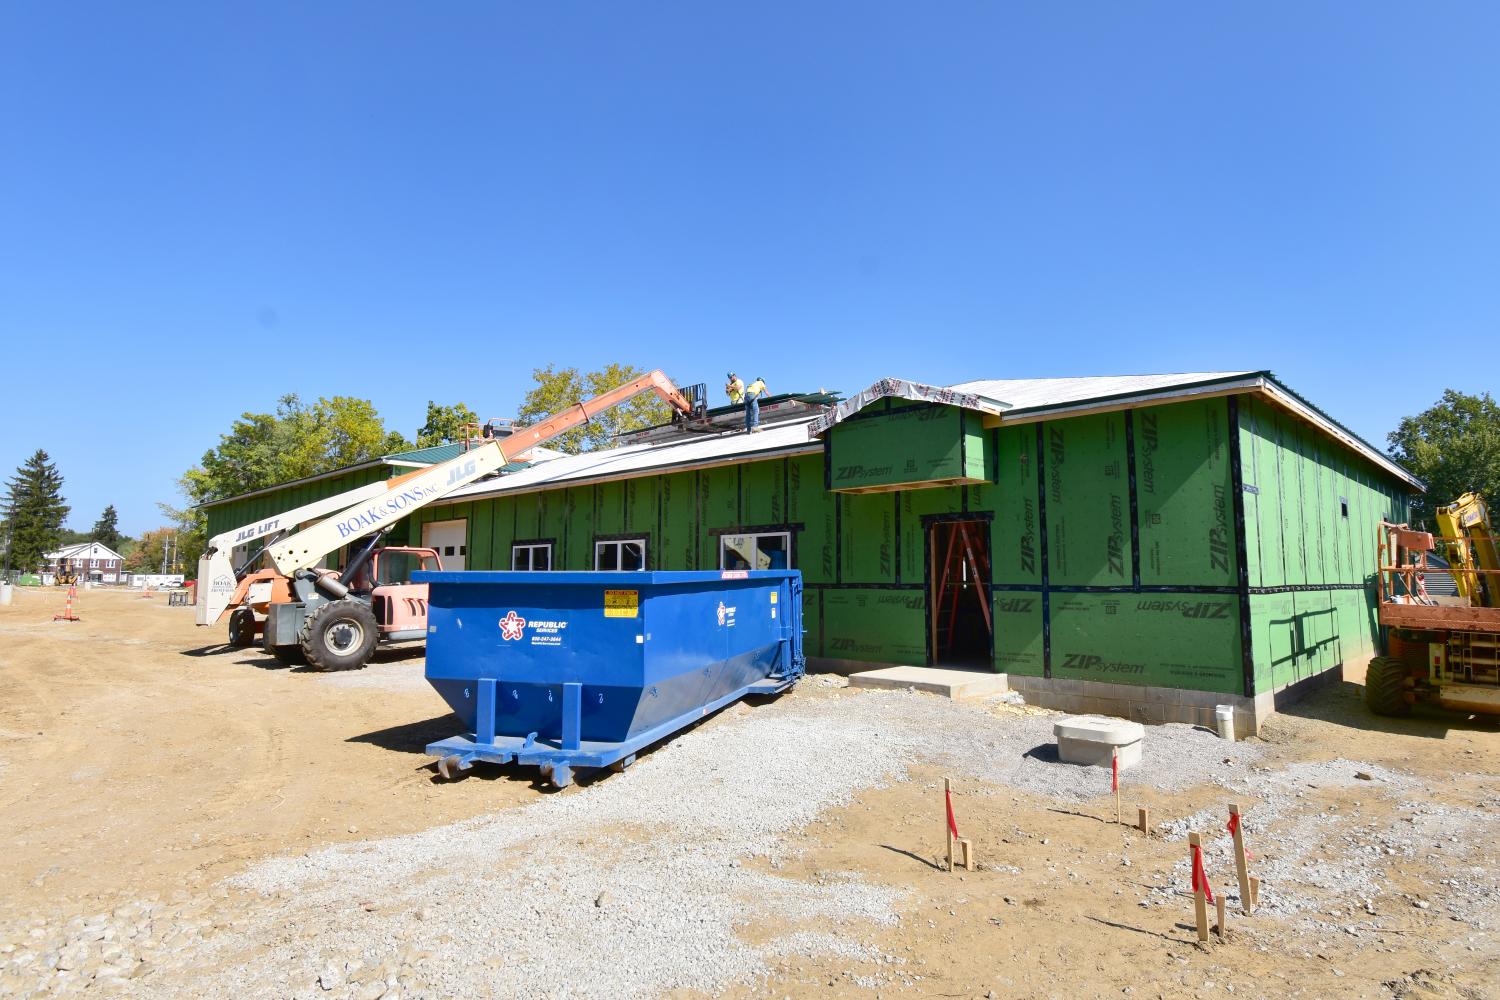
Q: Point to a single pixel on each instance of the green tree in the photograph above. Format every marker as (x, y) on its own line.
(558, 388)
(298, 440)
(107, 528)
(152, 551)
(34, 512)
(1454, 447)
(334, 433)
(191, 528)
(444, 424)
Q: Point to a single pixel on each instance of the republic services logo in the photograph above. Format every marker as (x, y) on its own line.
(722, 610)
(511, 626)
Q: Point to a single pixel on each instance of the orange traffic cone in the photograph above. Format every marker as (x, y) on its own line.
(68, 615)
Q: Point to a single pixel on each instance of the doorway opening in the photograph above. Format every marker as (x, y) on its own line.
(961, 625)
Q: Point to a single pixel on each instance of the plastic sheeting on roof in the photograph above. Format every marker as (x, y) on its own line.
(901, 388)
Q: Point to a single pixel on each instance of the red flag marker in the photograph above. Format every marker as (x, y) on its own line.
(1114, 764)
(952, 823)
(1234, 823)
(1199, 878)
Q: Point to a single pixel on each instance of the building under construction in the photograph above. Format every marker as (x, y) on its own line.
(1145, 546)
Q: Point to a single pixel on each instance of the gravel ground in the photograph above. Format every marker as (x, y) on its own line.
(1329, 861)
(396, 675)
(502, 905)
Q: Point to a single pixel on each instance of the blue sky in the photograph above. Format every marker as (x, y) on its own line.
(204, 206)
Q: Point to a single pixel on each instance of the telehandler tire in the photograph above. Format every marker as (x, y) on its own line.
(340, 635)
(1385, 686)
(242, 628)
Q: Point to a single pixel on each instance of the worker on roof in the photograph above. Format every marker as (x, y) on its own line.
(753, 392)
(735, 388)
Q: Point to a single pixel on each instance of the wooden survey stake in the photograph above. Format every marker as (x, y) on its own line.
(1219, 912)
(1200, 884)
(1143, 819)
(1114, 779)
(1241, 866)
(950, 833)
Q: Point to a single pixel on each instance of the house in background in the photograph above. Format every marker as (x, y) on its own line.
(88, 561)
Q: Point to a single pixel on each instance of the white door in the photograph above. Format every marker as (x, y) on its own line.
(450, 539)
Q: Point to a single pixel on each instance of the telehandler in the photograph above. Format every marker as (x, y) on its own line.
(1440, 649)
(333, 620)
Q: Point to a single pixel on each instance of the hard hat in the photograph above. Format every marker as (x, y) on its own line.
(731, 374)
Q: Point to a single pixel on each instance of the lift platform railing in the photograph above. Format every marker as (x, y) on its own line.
(1404, 568)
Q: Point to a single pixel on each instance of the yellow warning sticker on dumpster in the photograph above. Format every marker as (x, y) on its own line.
(622, 603)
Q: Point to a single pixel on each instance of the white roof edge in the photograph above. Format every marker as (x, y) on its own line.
(585, 479)
(1034, 413)
(1291, 401)
(1262, 383)
(369, 464)
(78, 547)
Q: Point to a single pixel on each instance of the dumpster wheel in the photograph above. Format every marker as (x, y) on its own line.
(560, 775)
(340, 635)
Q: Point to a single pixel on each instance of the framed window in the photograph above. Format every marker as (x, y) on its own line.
(531, 556)
(763, 550)
(620, 555)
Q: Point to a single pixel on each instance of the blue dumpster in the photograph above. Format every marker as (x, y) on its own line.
(581, 670)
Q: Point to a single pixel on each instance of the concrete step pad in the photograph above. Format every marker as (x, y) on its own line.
(944, 681)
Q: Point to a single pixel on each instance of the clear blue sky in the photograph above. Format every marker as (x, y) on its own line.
(203, 206)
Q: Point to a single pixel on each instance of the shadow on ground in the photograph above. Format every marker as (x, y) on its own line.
(254, 656)
(1342, 703)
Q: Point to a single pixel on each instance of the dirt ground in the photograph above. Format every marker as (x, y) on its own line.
(139, 758)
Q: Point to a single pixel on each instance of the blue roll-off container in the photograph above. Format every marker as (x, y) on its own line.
(581, 670)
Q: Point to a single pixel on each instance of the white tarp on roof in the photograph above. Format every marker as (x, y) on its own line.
(901, 388)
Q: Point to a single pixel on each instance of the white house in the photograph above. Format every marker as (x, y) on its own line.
(87, 561)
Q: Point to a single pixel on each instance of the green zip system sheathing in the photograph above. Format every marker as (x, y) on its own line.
(899, 445)
(1116, 548)
(1311, 513)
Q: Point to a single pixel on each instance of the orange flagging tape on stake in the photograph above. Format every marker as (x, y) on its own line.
(950, 833)
(1200, 880)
